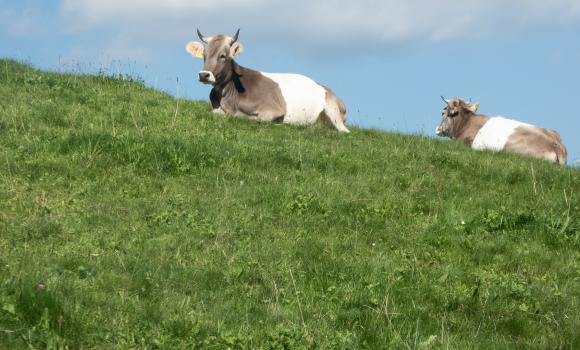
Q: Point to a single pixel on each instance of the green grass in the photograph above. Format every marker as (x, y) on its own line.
(152, 224)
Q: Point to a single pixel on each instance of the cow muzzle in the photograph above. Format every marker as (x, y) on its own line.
(439, 131)
(206, 77)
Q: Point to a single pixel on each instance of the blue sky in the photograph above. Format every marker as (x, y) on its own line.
(389, 60)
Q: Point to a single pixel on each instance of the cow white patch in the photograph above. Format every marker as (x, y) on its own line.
(495, 133)
(551, 156)
(305, 99)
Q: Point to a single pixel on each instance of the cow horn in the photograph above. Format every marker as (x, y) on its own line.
(236, 36)
(201, 37)
(445, 100)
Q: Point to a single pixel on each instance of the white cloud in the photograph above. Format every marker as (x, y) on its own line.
(25, 21)
(91, 12)
(118, 50)
(382, 21)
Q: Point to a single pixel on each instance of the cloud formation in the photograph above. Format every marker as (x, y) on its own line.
(26, 21)
(381, 21)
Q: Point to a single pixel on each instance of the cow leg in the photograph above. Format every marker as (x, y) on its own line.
(332, 117)
(218, 111)
(269, 117)
(334, 113)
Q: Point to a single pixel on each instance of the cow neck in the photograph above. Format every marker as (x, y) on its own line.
(234, 84)
(467, 126)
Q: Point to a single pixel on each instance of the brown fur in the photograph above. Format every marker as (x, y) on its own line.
(249, 93)
(464, 124)
(239, 90)
(537, 142)
(466, 129)
(329, 112)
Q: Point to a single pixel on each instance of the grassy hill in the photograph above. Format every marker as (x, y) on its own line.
(130, 219)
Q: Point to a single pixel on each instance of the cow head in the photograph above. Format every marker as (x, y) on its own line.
(218, 53)
(456, 111)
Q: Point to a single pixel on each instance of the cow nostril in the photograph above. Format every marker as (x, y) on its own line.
(203, 75)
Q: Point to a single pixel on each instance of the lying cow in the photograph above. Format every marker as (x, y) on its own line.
(240, 91)
(460, 122)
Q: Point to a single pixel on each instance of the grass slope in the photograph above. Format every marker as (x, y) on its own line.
(129, 219)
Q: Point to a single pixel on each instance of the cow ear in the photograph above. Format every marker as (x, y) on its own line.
(474, 107)
(236, 49)
(195, 49)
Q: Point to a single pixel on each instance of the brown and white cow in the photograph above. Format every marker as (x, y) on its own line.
(240, 91)
(460, 122)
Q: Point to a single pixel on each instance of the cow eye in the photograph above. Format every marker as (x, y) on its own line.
(222, 56)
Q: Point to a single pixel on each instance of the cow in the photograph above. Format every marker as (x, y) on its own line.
(461, 122)
(274, 97)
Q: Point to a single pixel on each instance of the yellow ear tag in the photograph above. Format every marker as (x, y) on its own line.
(475, 107)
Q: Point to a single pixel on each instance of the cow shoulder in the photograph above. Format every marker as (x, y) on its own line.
(258, 94)
(467, 131)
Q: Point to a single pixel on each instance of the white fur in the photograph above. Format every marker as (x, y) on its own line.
(211, 78)
(305, 99)
(219, 111)
(551, 156)
(495, 133)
